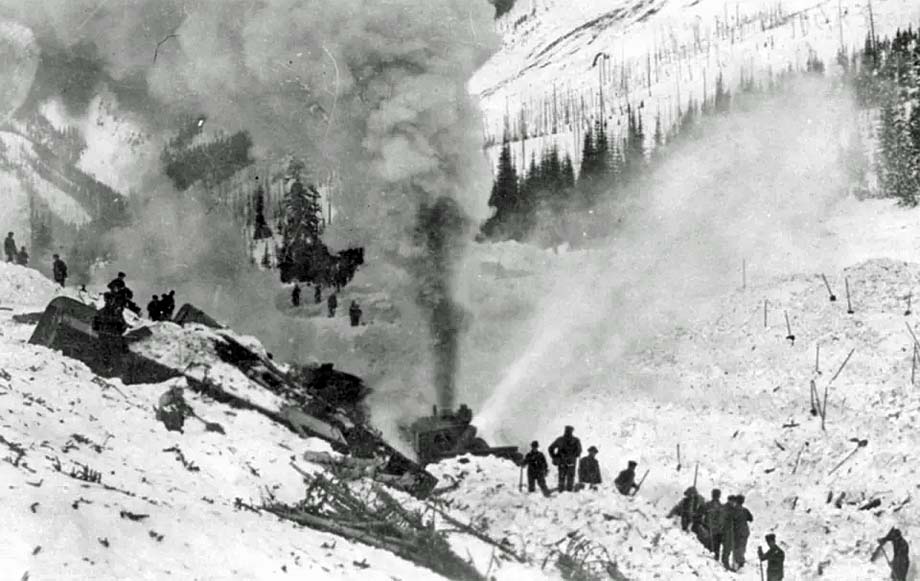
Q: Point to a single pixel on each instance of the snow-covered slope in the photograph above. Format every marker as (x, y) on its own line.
(563, 66)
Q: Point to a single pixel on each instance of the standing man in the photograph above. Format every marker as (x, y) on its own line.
(565, 451)
(535, 462)
(9, 246)
(59, 268)
(332, 303)
(900, 563)
(295, 295)
(167, 305)
(727, 528)
(155, 309)
(742, 531)
(317, 293)
(775, 557)
(687, 508)
(22, 259)
(712, 512)
(626, 479)
(354, 313)
(589, 472)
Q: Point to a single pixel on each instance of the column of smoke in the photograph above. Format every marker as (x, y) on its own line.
(440, 231)
(374, 90)
(757, 185)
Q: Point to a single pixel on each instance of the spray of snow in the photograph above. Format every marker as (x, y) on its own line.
(755, 189)
(18, 63)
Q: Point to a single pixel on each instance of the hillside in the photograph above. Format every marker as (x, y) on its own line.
(560, 70)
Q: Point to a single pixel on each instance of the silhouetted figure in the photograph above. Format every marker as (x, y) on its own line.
(565, 451)
(168, 305)
(110, 326)
(354, 313)
(9, 247)
(155, 309)
(742, 517)
(535, 462)
(589, 472)
(687, 508)
(464, 414)
(900, 563)
(295, 295)
(775, 558)
(317, 293)
(332, 302)
(626, 479)
(22, 259)
(712, 515)
(172, 409)
(122, 296)
(59, 268)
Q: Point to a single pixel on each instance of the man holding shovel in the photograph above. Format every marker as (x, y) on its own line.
(775, 557)
(900, 563)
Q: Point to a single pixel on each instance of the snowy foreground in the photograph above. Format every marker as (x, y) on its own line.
(731, 391)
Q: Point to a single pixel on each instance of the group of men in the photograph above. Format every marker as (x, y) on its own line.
(332, 303)
(20, 257)
(722, 528)
(161, 307)
(565, 452)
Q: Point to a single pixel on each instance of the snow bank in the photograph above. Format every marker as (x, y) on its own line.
(23, 286)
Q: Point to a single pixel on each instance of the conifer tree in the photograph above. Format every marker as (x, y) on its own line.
(261, 229)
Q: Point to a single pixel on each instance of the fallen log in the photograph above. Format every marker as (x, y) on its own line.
(479, 535)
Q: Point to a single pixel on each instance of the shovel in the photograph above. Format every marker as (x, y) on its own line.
(209, 426)
(829, 291)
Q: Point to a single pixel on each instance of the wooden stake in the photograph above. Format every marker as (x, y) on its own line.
(743, 273)
(817, 357)
(765, 301)
(797, 458)
(907, 312)
(790, 336)
(678, 457)
(842, 365)
(824, 407)
(913, 366)
(849, 304)
(813, 395)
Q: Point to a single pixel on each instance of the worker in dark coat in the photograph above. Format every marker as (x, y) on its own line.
(742, 517)
(332, 302)
(565, 451)
(167, 305)
(537, 469)
(110, 326)
(900, 563)
(22, 259)
(295, 295)
(354, 313)
(59, 269)
(626, 479)
(155, 309)
(712, 518)
(172, 409)
(688, 508)
(727, 528)
(317, 293)
(9, 246)
(122, 295)
(775, 558)
(117, 284)
(589, 472)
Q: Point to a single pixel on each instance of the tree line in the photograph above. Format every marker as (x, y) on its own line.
(886, 77)
(525, 201)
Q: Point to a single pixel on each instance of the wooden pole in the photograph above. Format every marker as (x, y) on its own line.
(824, 407)
(743, 273)
(817, 357)
(829, 291)
(913, 365)
(765, 301)
(849, 304)
(842, 365)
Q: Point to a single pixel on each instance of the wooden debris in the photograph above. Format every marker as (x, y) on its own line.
(830, 293)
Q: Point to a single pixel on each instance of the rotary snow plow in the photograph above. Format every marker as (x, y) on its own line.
(447, 433)
(318, 402)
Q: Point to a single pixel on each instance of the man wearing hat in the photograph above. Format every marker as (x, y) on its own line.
(565, 451)
(742, 517)
(900, 563)
(589, 472)
(535, 462)
(626, 479)
(774, 558)
(712, 512)
(727, 528)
